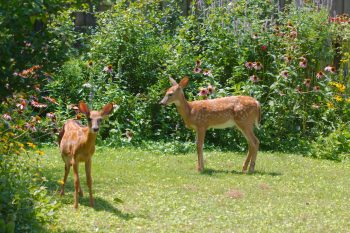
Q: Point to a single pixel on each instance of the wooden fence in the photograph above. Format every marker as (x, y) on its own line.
(336, 7)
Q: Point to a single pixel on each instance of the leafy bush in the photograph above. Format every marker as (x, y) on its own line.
(25, 202)
(335, 146)
(235, 49)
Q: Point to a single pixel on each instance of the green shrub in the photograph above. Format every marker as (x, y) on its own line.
(335, 146)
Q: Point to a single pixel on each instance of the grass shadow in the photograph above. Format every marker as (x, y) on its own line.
(103, 205)
(210, 172)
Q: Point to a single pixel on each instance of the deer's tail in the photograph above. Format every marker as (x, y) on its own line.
(60, 135)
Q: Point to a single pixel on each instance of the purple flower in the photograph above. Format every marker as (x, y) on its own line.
(254, 78)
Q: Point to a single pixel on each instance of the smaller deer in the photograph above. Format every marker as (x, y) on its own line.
(77, 144)
(240, 111)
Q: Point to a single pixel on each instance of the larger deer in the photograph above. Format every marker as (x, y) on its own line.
(77, 144)
(240, 111)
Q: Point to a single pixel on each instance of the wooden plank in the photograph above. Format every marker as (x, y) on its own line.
(346, 9)
(337, 7)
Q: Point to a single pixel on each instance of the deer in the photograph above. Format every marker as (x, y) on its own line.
(225, 112)
(77, 144)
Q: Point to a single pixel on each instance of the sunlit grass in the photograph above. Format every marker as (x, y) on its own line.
(138, 191)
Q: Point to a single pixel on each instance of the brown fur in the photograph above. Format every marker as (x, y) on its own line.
(77, 144)
(240, 111)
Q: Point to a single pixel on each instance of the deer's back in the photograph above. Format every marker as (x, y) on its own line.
(223, 112)
(75, 142)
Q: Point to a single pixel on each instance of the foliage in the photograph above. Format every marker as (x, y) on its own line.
(335, 146)
(24, 198)
(284, 59)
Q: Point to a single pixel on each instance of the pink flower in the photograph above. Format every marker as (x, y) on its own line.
(330, 69)
(211, 89)
(315, 106)
(207, 72)
(263, 48)
(298, 89)
(257, 65)
(249, 65)
(36, 104)
(203, 92)
(254, 78)
(316, 88)
(293, 34)
(129, 135)
(108, 69)
(303, 62)
(284, 74)
(22, 105)
(50, 115)
(6, 117)
(37, 87)
(50, 99)
(197, 70)
(255, 36)
(287, 59)
(307, 82)
(320, 75)
(198, 63)
(30, 127)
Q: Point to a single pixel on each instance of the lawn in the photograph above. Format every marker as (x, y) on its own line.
(140, 191)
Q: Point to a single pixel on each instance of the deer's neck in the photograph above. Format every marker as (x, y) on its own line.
(184, 109)
(90, 137)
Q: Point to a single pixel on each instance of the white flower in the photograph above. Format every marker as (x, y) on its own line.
(87, 85)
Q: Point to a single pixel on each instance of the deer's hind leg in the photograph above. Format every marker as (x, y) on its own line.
(200, 142)
(66, 173)
(253, 145)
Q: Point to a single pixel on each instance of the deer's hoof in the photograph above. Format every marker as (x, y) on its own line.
(75, 206)
(92, 203)
(62, 193)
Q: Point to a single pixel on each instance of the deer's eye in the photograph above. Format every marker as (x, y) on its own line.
(170, 94)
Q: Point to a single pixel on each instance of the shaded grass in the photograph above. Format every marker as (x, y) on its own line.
(138, 191)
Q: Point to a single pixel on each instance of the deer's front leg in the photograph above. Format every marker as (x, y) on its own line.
(76, 184)
(89, 181)
(200, 141)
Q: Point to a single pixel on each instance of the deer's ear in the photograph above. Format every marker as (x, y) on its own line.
(107, 109)
(83, 108)
(172, 81)
(184, 82)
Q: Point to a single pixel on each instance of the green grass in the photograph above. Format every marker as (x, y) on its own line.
(138, 191)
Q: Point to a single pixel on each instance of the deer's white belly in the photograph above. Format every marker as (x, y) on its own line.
(227, 124)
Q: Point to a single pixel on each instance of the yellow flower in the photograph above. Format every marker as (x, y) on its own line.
(338, 98)
(32, 145)
(330, 105)
(39, 152)
(60, 182)
(341, 87)
(20, 144)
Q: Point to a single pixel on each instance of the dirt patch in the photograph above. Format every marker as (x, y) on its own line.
(235, 194)
(264, 186)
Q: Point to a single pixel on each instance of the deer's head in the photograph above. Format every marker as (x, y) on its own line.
(174, 93)
(95, 118)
